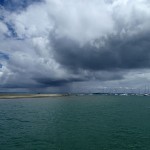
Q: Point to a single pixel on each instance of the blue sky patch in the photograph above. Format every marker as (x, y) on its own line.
(17, 4)
(4, 56)
(11, 30)
(2, 2)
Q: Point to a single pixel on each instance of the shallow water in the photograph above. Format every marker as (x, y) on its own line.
(75, 123)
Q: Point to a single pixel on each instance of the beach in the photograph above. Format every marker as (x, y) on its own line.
(14, 96)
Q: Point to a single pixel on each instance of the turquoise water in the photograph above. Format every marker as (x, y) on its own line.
(75, 123)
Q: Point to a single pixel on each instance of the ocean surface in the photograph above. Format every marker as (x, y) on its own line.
(75, 123)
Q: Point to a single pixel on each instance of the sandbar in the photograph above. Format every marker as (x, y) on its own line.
(14, 96)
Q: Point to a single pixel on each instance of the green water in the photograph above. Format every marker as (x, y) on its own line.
(75, 123)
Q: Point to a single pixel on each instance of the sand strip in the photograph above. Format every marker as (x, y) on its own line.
(13, 96)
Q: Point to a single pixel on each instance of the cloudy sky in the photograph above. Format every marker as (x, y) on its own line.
(75, 45)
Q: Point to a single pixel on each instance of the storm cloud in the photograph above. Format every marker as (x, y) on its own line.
(60, 43)
(116, 54)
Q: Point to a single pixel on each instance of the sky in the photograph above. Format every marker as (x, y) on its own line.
(74, 46)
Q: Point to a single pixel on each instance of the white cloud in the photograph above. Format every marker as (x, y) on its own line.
(132, 17)
(3, 28)
(81, 20)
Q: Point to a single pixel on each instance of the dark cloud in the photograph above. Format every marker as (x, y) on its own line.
(48, 82)
(107, 75)
(116, 54)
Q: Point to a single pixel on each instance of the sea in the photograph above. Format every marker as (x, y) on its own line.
(91, 122)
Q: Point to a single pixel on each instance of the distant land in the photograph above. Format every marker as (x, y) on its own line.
(41, 95)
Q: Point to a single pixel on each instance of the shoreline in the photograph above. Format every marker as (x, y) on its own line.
(13, 96)
(40, 95)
